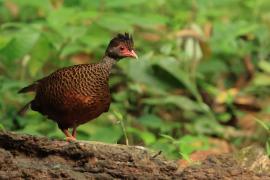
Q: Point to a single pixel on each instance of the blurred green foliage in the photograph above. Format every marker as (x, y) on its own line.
(189, 52)
(266, 127)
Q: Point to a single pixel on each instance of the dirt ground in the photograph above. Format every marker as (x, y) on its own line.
(30, 157)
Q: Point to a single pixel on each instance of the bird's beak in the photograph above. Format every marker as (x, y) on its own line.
(133, 54)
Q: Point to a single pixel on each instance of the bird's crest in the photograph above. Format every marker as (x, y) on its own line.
(123, 38)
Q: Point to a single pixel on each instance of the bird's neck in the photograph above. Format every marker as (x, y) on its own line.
(108, 62)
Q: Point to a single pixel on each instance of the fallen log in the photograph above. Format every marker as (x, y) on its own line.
(31, 157)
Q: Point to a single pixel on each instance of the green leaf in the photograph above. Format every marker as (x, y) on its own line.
(120, 3)
(4, 40)
(147, 137)
(39, 4)
(2, 127)
(120, 96)
(101, 130)
(263, 124)
(143, 73)
(65, 21)
(57, 19)
(268, 148)
(179, 101)
(40, 53)
(118, 115)
(203, 125)
(107, 134)
(173, 67)
(20, 45)
(149, 20)
(114, 23)
(151, 120)
(265, 66)
(185, 156)
(168, 137)
(167, 148)
(261, 79)
(189, 144)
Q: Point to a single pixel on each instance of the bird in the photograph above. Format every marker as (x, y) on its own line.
(74, 95)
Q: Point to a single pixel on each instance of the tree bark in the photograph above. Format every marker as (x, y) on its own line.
(31, 157)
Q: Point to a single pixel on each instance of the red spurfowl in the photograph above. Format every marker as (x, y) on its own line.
(75, 95)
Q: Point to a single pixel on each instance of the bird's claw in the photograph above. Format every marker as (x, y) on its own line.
(71, 139)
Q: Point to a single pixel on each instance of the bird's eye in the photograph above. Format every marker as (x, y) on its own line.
(122, 48)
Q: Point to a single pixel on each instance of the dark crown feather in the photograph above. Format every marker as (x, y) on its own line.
(123, 38)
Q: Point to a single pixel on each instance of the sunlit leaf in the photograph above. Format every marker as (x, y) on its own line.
(147, 137)
(261, 79)
(265, 66)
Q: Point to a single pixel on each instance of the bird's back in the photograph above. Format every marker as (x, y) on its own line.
(73, 94)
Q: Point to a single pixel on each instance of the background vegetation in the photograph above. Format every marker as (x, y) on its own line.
(202, 80)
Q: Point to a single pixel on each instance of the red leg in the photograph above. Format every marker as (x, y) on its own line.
(74, 132)
(69, 137)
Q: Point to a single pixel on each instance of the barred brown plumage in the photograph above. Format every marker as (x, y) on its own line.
(75, 95)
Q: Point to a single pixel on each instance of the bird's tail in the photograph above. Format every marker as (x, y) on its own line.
(30, 88)
(23, 110)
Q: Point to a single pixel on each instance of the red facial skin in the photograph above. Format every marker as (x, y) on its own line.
(127, 53)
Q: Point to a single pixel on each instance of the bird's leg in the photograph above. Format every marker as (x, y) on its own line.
(69, 137)
(74, 132)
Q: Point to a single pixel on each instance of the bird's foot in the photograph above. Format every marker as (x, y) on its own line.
(71, 139)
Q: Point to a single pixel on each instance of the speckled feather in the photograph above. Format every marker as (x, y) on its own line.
(74, 95)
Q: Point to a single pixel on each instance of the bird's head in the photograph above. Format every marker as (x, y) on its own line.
(121, 46)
